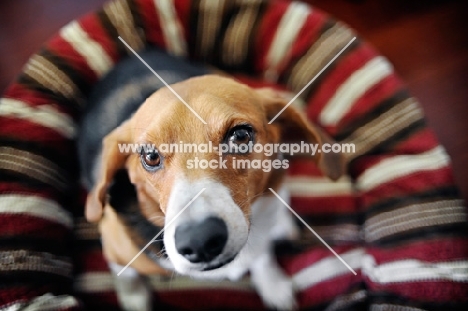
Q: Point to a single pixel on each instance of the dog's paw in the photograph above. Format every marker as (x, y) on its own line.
(279, 295)
(273, 285)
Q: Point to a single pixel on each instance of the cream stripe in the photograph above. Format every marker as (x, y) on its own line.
(44, 302)
(92, 51)
(171, 27)
(355, 86)
(289, 27)
(402, 165)
(94, 282)
(321, 52)
(412, 270)
(327, 269)
(44, 115)
(40, 165)
(384, 126)
(415, 216)
(35, 206)
(120, 16)
(305, 186)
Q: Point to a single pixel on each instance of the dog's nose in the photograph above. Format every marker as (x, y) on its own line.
(202, 241)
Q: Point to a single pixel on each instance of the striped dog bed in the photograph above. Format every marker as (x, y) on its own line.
(396, 218)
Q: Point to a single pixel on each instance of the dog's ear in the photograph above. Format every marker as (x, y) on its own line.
(293, 127)
(111, 161)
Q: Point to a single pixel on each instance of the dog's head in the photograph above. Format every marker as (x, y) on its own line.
(214, 227)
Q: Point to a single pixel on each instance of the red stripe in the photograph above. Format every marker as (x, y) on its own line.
(384, 89)
(307, 36)
(416, 182)
(33, 98)
(437, 250)
(420, 142)
(212, 298)
(341, 70)
(93, 27)
(21, 129)
(16, 225)
(91, 261)
(24, 189)
(151, 23)
(327, 290)
(266, 31)
(99, 301)
(430, 291)
(62, 48)
(336, 205)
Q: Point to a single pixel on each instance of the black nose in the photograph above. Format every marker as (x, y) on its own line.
(202, 241)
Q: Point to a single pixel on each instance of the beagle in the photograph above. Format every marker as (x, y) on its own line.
(229, 228)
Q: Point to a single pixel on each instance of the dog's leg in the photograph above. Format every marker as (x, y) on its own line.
(271, 220)
(133, 290)
(272, 284)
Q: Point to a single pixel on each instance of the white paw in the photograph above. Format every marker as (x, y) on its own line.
(273, 285)
(279, 295)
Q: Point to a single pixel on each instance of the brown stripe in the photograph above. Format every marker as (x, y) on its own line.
(25, 260)
(399, 117)
(120, 16)
(34, 166)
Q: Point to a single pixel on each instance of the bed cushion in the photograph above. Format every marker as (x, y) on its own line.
(396, 218)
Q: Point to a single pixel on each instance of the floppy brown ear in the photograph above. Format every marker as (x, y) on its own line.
(111, 161)
(292, 127)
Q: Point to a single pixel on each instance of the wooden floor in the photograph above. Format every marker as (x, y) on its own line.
(427, 41)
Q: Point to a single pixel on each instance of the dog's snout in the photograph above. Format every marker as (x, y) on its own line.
(202, 241)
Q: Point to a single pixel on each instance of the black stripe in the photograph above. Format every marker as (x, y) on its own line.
(283, 78)
(62, 155)
(193, 40)
(435, 194)
(229, 12)
(380, 297)
(30, 83)
(386, 146)
(112, 33)
(384, 106)
(58, 247)
(249, 65)
(82, 83)
(313, 88)
(36, 279)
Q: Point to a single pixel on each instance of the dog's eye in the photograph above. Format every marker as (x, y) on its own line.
(239, 137)
(150, 159)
